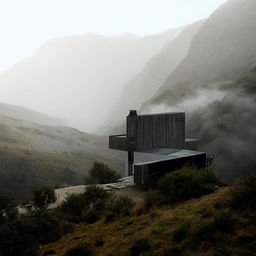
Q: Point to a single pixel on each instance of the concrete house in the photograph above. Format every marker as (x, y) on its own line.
(156, 144)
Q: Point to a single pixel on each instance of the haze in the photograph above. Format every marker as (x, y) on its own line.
(27, 24)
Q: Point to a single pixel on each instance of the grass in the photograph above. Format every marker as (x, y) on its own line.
(22, 169)
(169, 230)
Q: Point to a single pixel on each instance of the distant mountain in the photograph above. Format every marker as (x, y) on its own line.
(26, 114)
(146, 83)
(78, 78)
(223, 49)
(33, 155)
(215, 85)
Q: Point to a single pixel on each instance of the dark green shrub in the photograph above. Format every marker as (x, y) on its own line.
(101, 173)
(122, 205)
(88, 205)
(242, 194)
(16, 239)
(8, 210)
(139, 246)
(188, 183)
(97, 197)
(82, 249)
(90, 216)
(43, 197)
(74, 204)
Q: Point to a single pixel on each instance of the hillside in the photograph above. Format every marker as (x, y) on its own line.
(68, 77)
(146, 83)
(33, 155)
(196, 227)
(22, 113)
(223, 49)
(205, 86)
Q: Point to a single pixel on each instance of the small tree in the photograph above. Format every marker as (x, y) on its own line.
(101, 173)
(43, 197)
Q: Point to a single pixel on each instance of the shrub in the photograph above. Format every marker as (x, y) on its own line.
(139, 246)
(43, 197)
(96, 197)
(242, 194)
(88, 205)
(82, 249)
(122, 205)
(8, 210)
(16, 240)
(188, 183)
(101, 173)
(74, 204)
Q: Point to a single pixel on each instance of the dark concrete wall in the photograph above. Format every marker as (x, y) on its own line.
(145, 174)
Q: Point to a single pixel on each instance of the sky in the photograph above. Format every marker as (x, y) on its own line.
(27, 24)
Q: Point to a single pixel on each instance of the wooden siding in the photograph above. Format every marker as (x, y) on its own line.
(161, 130)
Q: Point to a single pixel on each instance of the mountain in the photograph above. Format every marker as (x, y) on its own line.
(146, 83)
(215, 85)
(34, 155)
(22, 113)
(77, 78)
(223, 49)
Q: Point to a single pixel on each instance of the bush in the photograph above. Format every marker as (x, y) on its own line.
(122, 205)
(16, 240)
(96, 197)
(88, 205)
(8, 210)
(139, 246)
(188, 183)
(43, 197)
(82, 249)
(74, 204)
(101, 173)
(242, 194)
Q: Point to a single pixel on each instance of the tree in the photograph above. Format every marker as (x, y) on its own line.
(101, 173)
(43, 197)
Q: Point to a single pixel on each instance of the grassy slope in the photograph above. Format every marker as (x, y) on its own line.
(158, 226)
(22, 169)
(33, 155)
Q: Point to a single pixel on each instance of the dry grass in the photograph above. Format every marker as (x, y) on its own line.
(158, 226)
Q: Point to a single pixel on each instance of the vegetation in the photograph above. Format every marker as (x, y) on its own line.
(188, 183)
(82, 249)
(43, 197)
(243, 194)
(24, 169)
(8, 211)
(95, 202)
(101, 173)
(205, 225)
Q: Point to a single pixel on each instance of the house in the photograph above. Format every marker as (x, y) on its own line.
(156, 144)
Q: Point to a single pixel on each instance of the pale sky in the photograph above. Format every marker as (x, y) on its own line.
(26, 24)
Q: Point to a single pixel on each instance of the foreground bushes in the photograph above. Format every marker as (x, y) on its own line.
(188, 183)
(95, 201)
(242, 195)
(23, 235)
